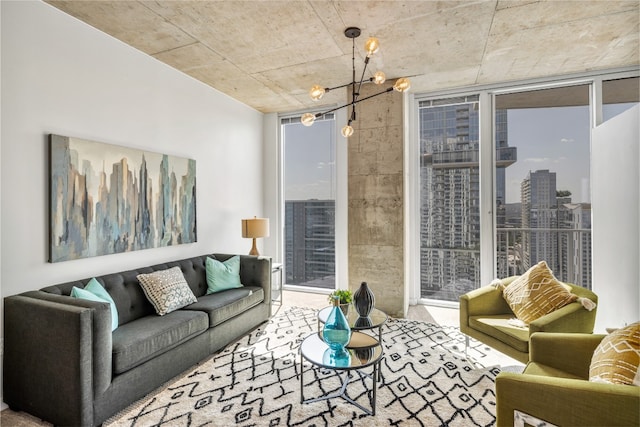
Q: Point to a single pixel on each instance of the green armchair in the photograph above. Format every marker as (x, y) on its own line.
(484, 315)
(555, 387)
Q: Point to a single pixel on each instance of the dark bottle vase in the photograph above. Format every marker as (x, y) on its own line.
(336, 332)
(364, 300)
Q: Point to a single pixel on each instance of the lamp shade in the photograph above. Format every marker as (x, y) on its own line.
(255, 227)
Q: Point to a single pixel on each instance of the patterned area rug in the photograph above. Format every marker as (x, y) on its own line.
(254, 382)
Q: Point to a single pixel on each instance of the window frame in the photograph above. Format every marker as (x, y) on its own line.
(487, 144)
(341, 203)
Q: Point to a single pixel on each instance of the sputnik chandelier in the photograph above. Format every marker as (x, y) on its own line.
(371, 46)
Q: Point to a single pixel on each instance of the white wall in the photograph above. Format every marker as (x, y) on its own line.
(615, 182)
(61, 76)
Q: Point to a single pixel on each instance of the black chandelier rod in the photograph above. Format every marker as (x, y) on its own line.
(318, 115)
(354, 93)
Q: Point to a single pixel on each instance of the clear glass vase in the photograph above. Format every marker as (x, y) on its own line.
(336, 332)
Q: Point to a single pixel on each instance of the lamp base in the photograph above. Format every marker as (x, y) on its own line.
(254, 249)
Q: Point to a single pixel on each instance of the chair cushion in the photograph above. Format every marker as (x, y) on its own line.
(167, 290)
(536, 293)
(498, 327)
(224, 305)
(136, 342)
(616, 360)
(533, 368)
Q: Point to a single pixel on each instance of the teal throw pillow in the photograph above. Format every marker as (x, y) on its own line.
(223, 275)
(95, 292)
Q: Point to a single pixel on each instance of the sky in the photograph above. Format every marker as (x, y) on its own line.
(309, 161)
(556, 139)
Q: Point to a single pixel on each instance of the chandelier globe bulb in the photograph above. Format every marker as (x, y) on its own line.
(307, 119)
(379, 77)
(371, 46)
(347, 131)
(317, 92)
(402, 85)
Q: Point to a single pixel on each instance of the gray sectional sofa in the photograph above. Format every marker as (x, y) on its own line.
(63, 363)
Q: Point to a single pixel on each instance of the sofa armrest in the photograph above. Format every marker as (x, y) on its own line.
(57, 355)
(486, 300)
(254, 271)
(566, 402)
(564, 351)
(570, 318)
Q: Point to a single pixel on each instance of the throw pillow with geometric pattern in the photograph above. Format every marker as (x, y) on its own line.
(167, 290)
(536, 293)
(616, 360)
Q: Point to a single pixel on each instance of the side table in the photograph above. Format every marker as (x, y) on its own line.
(376, 319)
(277, 284)
(367, 351)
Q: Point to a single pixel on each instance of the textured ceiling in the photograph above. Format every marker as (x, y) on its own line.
(267, 54)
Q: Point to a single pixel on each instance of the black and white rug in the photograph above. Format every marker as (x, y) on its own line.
(254, 382)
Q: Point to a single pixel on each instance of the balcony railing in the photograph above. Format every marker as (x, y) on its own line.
(566, 251)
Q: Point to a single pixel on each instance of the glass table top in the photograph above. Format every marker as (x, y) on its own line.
(362, 351)
(375, 319)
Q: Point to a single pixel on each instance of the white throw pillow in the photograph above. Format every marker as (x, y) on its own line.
(167, 290)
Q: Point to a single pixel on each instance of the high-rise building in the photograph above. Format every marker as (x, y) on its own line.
(575, 243)
(539, 215)
(310, 243)
(450, 195)
(556, 230)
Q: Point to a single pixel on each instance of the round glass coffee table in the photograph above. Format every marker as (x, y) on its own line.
(363, 351)
(375, 320)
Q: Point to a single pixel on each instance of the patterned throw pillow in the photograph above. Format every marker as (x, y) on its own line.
(536, 293)
(616, 360)
(167, 290)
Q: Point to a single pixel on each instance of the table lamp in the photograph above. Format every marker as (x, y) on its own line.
(253, 228)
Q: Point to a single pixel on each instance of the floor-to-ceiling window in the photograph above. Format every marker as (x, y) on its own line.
(543, 200)
(309, 202)
(449, 197)
(536, 169)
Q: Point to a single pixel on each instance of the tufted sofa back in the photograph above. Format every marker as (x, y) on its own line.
(126, 292)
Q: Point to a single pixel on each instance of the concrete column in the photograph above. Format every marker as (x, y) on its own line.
(376, 219)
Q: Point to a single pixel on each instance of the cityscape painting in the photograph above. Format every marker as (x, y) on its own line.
(107, 199)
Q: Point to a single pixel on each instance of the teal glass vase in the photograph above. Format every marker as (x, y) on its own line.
(336, 332)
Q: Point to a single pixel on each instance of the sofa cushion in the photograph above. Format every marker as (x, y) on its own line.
(536, 293)
(167, 290)
(224, 305)
(142, 339)
(498, 327)
(223, 275)
(616, 360)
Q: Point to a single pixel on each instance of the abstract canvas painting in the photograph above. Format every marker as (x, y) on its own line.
(107, 199)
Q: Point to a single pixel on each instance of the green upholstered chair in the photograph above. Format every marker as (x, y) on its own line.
(484, 315)
(555, 386)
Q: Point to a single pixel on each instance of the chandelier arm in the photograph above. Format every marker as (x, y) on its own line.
(318, 115)
(327, 89)
(369, 80)
(366, 62)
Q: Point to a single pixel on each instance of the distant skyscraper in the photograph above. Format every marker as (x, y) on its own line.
(450, 195)
(310, 243)
(575, 245)
(539, 211)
